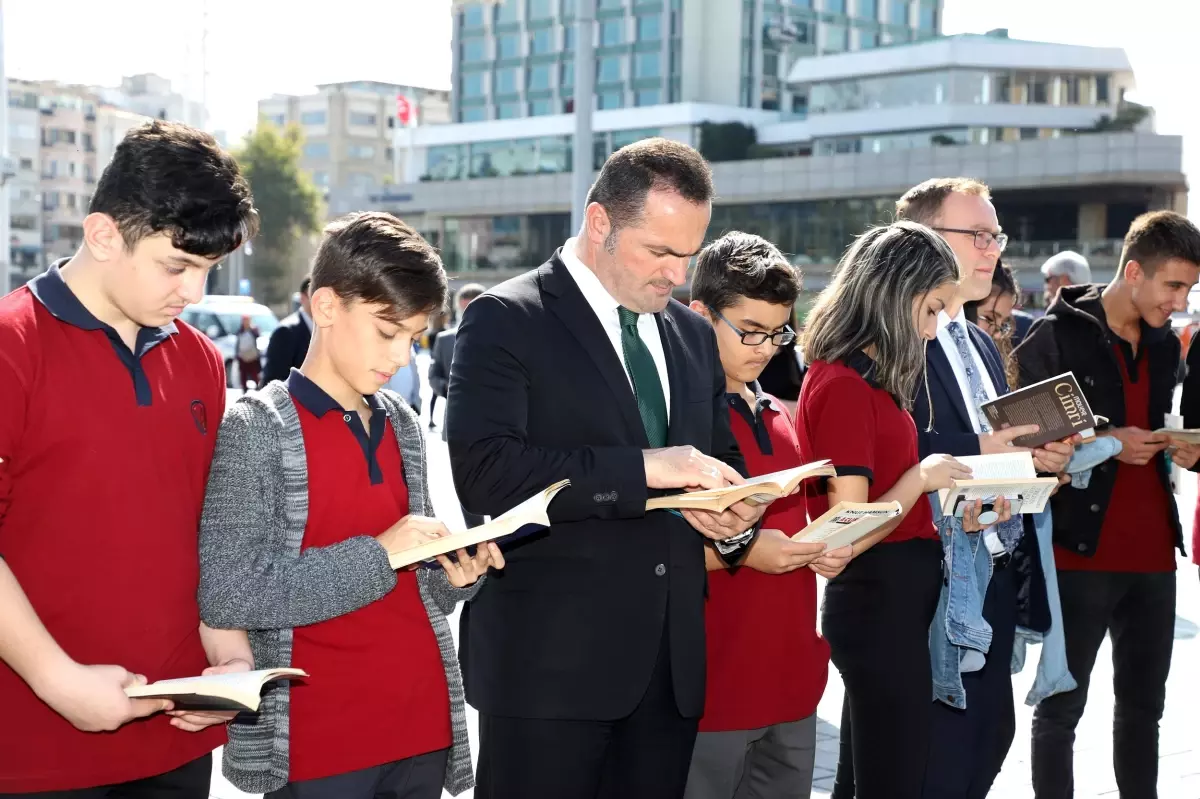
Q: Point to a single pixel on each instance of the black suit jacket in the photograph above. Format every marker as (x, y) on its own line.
(954, 434)
(571, 628)
(287, 348)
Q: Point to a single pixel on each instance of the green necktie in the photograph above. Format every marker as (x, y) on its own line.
(646, 386)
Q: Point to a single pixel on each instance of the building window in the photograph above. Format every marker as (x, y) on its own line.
(899, 11)
(361, 181)
(312, 117)
(569, 39)
(472, 84)
(508, 46)
(316, 149)
(473, 16)
(508, 12)
(868, 9)
(1102, 89)
(649, 28)
(836, 38)
(539, 77)
(278, 120)
(507, 80)
(928, 21)
(610, 69)
(448, 162)
(610, 3)
(647, 97)
(566, 76)
(541, 108)
(1029, 133)
(542, 41)
(541, 9)
(835, 7)
(361, 152)
(474, 50)
(608, 100)
(27, 164)
(320, 178)
(363, 119)
(508, 111)
(473, 114)
(647, 65)
(868, 39)
(1038, 93)
(612, 32)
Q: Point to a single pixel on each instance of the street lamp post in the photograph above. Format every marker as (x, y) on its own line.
(585, 77)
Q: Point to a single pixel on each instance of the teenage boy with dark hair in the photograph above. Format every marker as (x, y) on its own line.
(1115, 539)
(100, 502)
(314, 482)
(758, 736)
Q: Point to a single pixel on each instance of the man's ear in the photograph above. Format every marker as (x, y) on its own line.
(102, 237)
(701, 309)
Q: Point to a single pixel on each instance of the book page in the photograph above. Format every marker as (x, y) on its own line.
(1007, 465)
(244, 681)
(847, 522)
(1025, 496)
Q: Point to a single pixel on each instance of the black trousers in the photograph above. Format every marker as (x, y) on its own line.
(419, 777)
(645, 755)
(189, 781)
(969, 746)
(876, 617)
(1138, 612)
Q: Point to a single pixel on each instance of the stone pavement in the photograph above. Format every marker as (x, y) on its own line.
(1179, 748)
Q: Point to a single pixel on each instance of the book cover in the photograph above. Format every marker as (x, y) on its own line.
(1057, 406)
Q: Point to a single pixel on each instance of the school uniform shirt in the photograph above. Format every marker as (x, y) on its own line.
(757, 623)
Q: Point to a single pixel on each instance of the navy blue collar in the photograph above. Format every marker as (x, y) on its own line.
(53, 292)
(864, 364)
(317, 402)
(754, 416)
(761, 400)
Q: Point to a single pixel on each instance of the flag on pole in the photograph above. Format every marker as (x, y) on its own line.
(406, 110)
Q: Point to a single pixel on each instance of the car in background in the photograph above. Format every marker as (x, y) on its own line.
(220, 317)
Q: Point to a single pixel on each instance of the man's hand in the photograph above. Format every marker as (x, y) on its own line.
(1063, 480)
(719, 526)
(1138, 446)
(687, 468)
(196, 720)
(831, 563)
(774, 553)
(465, 570)
(1053, 456)
(1184, 454)
(93, 698)
(999, 441)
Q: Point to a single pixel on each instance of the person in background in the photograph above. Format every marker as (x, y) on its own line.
(99, 509)
(407, 382)
(249, 361)
(1067, 268)
(442, 348)
(758, 737)
(1115, 540)
(864, 343)
(783, 376)
(995, 316)
(288, 345)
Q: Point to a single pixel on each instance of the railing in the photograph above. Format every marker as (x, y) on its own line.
(1098, 248)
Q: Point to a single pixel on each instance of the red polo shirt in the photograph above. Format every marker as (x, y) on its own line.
(845, 417)
(106, 455)
(1137, 534)
(378, 688)
(766, 662)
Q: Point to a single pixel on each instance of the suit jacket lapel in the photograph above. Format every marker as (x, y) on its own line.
(990, 361)
(677, 360)
(562, 296)
(943, 374)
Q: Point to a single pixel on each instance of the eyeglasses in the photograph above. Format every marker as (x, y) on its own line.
(754, 338)
(1002, 328)
(983, 238)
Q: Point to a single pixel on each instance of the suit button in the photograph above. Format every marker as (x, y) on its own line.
(1095, 509)
(1082, 547)
(597, 498)
(612, 497)
(660, 570)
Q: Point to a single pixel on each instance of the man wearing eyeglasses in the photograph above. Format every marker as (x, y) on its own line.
(974, 718)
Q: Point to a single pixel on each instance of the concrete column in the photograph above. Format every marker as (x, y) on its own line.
(1093, 221)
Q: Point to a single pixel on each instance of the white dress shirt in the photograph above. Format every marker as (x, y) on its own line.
(960, 369)
(605, 308)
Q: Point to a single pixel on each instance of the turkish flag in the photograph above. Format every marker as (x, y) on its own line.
(404, 109)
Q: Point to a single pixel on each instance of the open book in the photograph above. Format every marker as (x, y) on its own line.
(847, 522)
(1010, 475)
(530, 512)
(238, 691)
(1057, 406)
(755, 491)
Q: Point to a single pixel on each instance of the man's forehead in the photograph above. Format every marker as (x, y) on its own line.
(968, 210)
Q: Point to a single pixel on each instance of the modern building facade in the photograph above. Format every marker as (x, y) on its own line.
(348, 130)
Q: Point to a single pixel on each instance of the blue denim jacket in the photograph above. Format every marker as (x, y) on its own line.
(959, 637)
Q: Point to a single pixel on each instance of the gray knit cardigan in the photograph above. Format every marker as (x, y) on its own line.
(253, 577)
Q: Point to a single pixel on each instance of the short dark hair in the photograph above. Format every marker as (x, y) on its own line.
(923, 202)
(377, 259)
(741, 265)
(173, 179)
(306, 284)
(656, 163)
(1159, 236)
(468, 292)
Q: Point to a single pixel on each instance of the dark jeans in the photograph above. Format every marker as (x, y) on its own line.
(189, 781)
(418, 777)
(1138, 612)
(876, 617)
(969, 746)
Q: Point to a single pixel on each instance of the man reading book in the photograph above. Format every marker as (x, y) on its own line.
(314, 482)
(110, 413)
(758, 737)
(1115, 540)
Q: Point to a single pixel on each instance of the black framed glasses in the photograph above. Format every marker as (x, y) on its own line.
(983, 238)
(780, 338)
(1002, 327)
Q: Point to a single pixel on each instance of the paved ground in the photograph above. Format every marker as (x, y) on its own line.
(1179, 776)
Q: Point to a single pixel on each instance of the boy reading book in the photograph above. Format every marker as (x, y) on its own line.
(314, 482)
(761, 614)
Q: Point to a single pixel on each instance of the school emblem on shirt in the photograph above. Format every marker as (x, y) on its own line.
(200, 416)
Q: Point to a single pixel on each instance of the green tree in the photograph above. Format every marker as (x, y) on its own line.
(289, 206)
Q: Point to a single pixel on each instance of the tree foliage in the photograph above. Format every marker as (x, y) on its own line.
(288, 203)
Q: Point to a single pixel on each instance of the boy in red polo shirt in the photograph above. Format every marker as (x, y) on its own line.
(108, 422)
(767, 665)
(313, 483)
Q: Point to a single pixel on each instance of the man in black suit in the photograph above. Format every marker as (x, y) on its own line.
(442, 351)
(585, 657)
(964, 369)
(289, 341)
